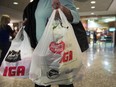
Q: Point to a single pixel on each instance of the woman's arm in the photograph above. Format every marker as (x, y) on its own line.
(68, 8)
(67, 13)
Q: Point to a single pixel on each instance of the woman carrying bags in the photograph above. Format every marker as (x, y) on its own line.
(36, 15)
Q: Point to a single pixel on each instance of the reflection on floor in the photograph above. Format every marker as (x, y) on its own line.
(100, 69)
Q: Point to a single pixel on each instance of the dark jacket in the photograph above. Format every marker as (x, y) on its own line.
(30, 27)
(5, 33)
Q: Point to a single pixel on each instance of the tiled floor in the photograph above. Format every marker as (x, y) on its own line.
(100, 69)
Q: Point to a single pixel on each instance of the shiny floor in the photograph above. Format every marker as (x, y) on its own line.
(100, 69)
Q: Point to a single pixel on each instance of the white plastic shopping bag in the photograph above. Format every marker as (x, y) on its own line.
(57, 57)
(18, 58)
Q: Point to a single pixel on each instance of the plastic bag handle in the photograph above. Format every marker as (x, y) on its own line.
(19, 35)
(51, 18)
(62, 16)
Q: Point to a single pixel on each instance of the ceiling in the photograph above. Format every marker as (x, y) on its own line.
(103, 7)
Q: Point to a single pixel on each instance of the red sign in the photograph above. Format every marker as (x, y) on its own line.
(67, 56)
(14, 71)
(57, 47)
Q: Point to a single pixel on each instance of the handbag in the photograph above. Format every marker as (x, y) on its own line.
(57, 56)
(18, 58)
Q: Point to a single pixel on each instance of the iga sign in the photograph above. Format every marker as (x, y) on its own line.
(14, 71)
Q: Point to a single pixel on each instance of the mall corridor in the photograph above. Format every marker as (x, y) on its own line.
(100, 69)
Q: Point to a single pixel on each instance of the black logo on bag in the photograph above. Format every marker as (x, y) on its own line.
(52, 74)
(13, 56)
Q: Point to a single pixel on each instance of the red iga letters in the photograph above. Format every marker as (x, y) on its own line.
(14, 71)
(59, 48)
(67, 56)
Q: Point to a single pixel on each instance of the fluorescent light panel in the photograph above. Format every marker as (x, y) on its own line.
(15, 3)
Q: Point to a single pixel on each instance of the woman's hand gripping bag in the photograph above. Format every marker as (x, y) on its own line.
(57, 57)
(18, 58)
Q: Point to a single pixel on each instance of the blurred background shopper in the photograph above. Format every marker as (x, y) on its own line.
(5, 33)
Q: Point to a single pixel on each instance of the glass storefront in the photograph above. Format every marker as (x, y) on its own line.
(100, 29)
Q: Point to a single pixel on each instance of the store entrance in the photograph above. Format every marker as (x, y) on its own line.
(100, 30)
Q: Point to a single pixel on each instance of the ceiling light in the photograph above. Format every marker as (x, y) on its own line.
(92, 13)
(77, 8)
(15, 3)
(93, 2)
(31, 0)
(92, 7)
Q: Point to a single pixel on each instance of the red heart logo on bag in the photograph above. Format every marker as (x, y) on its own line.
(57, 47)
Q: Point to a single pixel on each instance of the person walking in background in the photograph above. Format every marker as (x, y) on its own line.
(94, 36)
(36, 15)
(5, 33)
